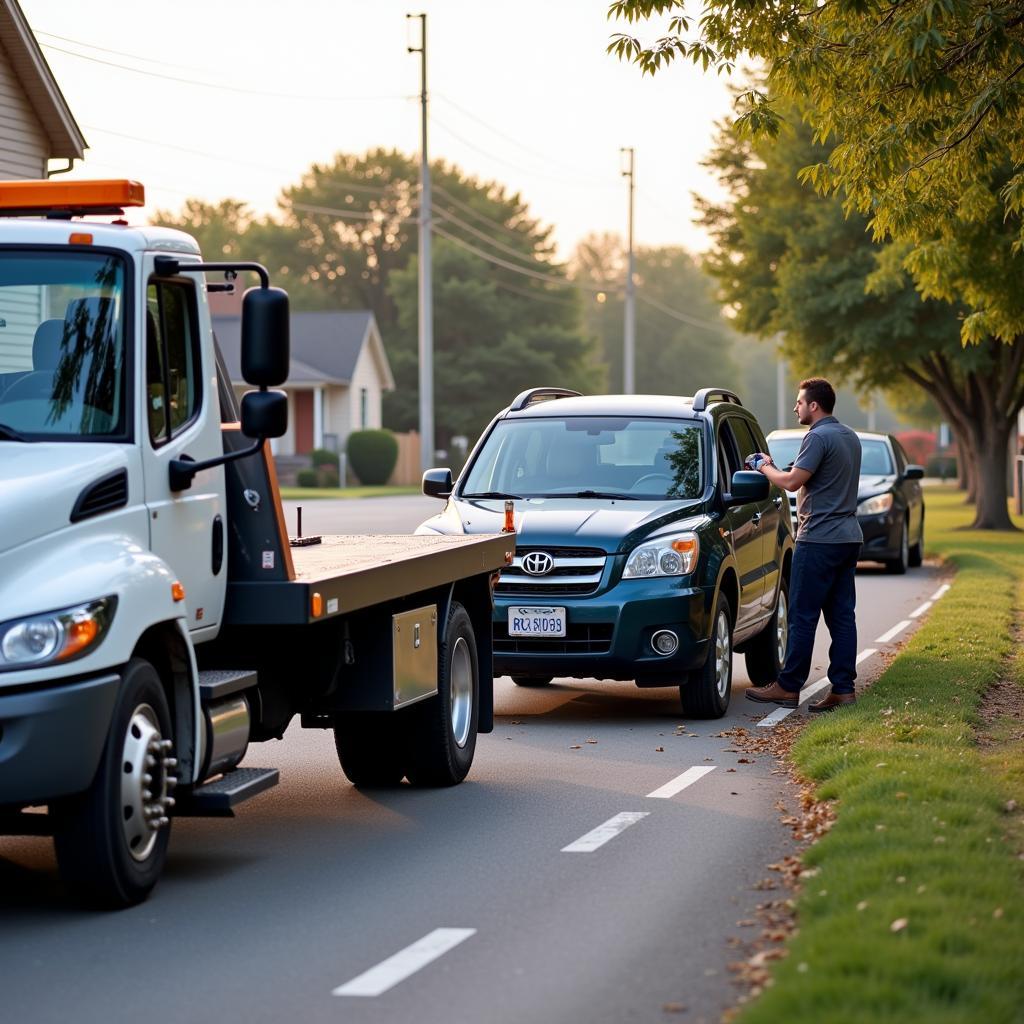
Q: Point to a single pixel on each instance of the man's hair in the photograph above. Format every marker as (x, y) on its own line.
(817, 389)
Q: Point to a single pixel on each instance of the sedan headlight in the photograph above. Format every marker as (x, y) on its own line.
(875, 506)
(55, 636)
(674, 555)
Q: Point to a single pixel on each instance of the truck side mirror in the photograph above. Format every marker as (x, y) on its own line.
(264, 414)
(265, 345)
(913, 472)
(437, 483)
(748, 486)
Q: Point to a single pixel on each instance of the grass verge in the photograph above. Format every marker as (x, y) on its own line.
(913, 903)
(314, 493)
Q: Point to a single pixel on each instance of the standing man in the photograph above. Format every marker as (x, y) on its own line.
(828, 540)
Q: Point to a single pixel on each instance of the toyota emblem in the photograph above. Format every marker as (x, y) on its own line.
(538, 563)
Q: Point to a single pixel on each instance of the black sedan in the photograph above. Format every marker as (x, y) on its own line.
(890, 506)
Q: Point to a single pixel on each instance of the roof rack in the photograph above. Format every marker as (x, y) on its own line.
(533, 395)
(705, 396)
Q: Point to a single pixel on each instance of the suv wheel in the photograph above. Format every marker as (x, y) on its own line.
(766, 653)
(898, 566)
(706, 693)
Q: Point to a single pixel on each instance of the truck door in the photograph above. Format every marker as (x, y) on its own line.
(177, 381)
(744, 527)
(750, 440)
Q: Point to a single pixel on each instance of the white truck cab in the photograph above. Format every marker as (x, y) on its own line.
(151, 609)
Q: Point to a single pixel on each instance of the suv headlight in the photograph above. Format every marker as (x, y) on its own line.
(55, 636)
(674, 555)
(875, 506)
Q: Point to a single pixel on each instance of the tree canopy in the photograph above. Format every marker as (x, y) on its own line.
(919, 105)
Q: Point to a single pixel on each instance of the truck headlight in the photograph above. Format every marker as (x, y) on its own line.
(674, 555)
(56, 636)
(875, 506)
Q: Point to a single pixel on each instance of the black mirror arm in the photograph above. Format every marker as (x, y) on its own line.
(181, 471)
(168, 266)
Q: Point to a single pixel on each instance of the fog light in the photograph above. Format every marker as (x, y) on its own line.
(665, 642)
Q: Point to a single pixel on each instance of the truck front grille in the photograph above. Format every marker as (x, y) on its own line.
(580, 638)
(575, 572)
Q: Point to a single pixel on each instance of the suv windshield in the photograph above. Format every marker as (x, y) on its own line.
(62, 345)
(874, 455)
(592, 456)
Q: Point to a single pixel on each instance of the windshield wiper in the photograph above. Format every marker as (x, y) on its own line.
(493, 494)
(606, 494)
(10, 434)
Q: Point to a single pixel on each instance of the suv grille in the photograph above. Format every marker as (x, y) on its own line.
(580, 638)
(576, 571)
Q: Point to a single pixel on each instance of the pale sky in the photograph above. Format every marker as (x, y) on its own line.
(521, 92)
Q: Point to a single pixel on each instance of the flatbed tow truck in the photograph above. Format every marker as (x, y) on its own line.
(155, 617)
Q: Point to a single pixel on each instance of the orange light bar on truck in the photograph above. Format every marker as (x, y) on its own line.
(106, 196)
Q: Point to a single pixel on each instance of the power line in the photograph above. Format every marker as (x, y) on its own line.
(518, 235)
(116, 53)
(220, 88)
(517, 253)
(680, 316)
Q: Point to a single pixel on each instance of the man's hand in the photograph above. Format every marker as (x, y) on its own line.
(790, 480)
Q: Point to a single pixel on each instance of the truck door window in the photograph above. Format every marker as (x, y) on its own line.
(744, 438)
(173, 380)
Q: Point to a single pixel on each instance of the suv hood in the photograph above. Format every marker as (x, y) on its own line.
(558, 522)
(41, 481)
(868, 486)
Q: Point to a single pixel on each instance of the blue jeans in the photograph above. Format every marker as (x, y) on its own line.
(822, 582)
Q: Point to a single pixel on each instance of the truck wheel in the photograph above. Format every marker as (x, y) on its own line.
(706, 693)
(111, 840)
(765, 654)
(443, 728)
(371, 747)
(532, 680)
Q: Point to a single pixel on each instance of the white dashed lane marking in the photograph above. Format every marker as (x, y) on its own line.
(404, 963)
(918, 612)
(891, 634)
(680, 782)
(938, 593)
(597, 837)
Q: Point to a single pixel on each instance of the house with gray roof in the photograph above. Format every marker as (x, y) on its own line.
(339, 373)
(36, 124)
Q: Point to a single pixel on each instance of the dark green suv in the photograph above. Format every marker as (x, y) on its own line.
(644, 549)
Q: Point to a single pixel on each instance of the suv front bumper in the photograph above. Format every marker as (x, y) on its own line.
(608, 635)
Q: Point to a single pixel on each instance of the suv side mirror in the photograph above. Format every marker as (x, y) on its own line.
(264, 414)
(913, 472)
(265, 345)
(748, 486)
(437, 483)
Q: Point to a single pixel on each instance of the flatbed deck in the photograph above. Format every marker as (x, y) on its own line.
(354, 571)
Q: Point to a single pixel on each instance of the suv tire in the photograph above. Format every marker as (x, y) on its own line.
(766, 653)
(706, 693)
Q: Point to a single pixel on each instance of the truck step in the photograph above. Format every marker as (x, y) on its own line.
(215, 683)
(218, 798)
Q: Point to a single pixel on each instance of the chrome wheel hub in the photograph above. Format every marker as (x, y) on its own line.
(146, 782)
(781, 628)
(723, 655)
(461, 681)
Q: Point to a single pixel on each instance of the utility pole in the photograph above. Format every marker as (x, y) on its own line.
(426, 302)
(629, 327)
(781, 419)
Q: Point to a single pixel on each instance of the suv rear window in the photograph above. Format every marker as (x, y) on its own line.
(561, 456)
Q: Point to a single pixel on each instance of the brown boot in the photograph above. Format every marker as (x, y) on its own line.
(773, 694)
(833, 701)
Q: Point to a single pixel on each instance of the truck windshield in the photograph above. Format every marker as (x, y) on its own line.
(588, 457)
(62, 345)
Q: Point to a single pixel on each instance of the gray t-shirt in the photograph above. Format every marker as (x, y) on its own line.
(826, 506)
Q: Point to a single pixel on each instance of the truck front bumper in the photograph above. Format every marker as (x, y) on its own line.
(608, 635)
(51, 739)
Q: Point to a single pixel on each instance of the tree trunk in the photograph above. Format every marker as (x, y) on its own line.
(989, 441)
(961, 465)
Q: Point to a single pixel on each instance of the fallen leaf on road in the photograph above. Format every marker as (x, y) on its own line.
(730, 769)
(673, 1008)
(591, 741)
(659, 750)
(745, 760)
(575, 746)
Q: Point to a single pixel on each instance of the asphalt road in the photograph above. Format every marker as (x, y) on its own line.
(461, 905)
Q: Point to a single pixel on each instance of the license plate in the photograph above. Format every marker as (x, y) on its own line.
(536, 620)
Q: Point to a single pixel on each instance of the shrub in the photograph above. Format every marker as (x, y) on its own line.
(372, 454)
(322, 457)
(943, 466)
(307, 478)
(327, 476)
